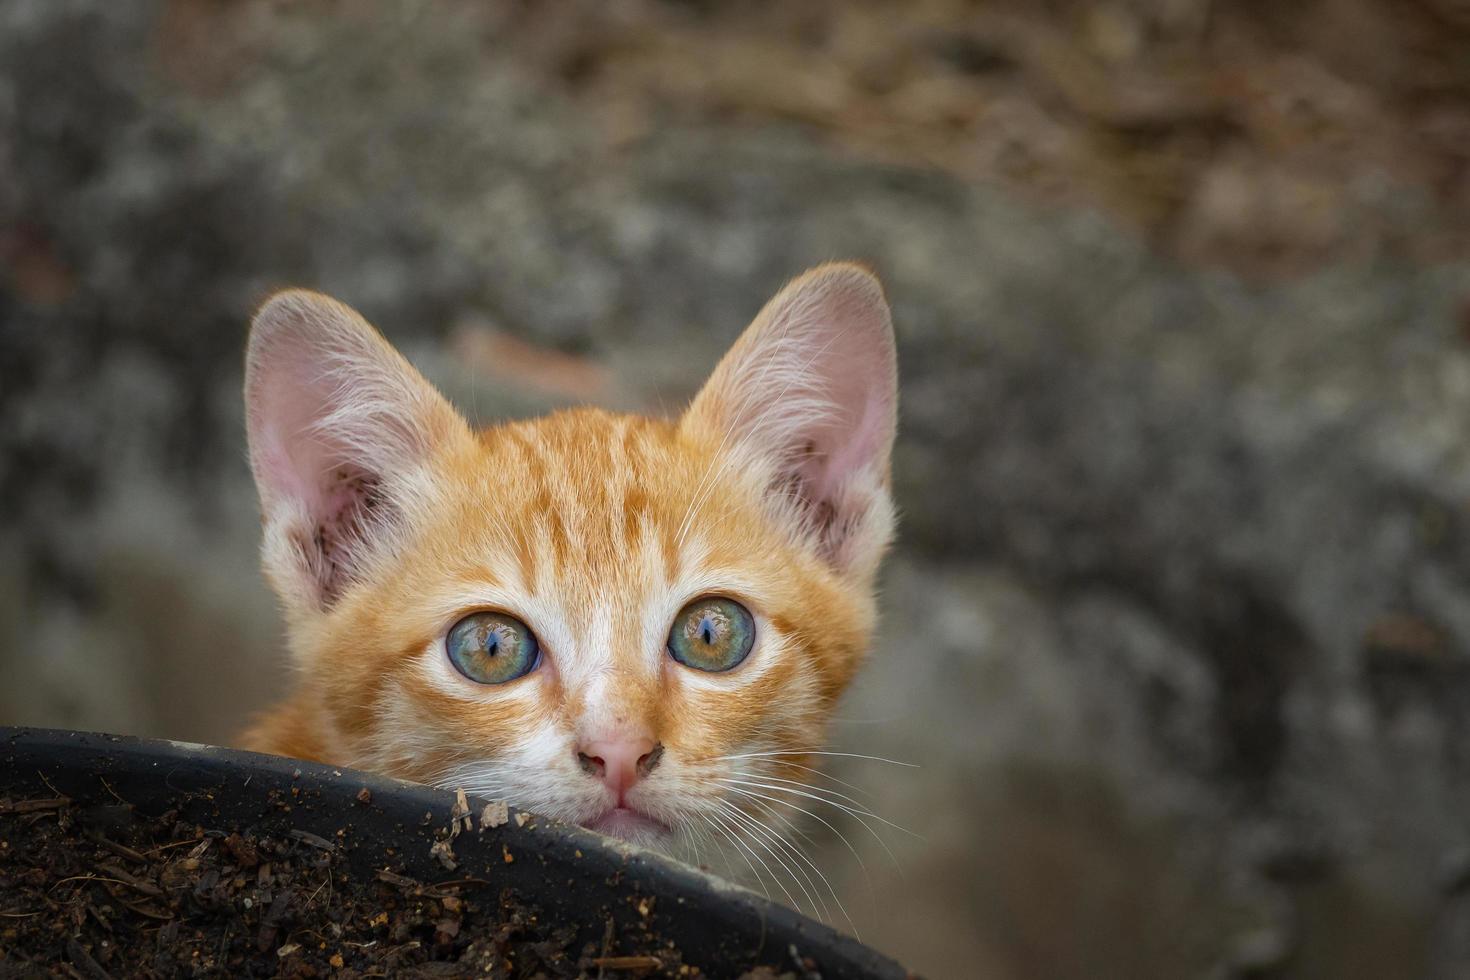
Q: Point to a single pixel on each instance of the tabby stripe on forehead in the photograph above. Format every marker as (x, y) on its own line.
(525, 552)
(546, 512)
(505, 441)
(668, 536)
(635, 513)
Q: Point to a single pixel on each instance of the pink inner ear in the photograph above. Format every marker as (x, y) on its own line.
(298, 461)
(846, 347)
(861, 392)
(334, 414)
(292, 460)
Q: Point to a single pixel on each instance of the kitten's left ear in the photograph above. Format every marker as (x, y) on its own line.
(341, 428)
(809, 395)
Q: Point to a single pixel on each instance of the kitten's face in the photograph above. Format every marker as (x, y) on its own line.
(615, 620)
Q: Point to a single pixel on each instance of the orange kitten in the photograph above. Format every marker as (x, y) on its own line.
(615, 620)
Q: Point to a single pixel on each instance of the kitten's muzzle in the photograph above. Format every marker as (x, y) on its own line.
(620, 763)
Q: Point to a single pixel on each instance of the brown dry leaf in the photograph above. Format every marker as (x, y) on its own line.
(459, 814)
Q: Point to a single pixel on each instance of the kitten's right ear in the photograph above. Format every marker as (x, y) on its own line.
(340, 427)
(809, 396)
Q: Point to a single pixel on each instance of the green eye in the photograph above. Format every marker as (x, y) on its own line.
(712, 634)
(492, 648)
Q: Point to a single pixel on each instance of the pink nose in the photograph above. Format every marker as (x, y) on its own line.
(620, 762)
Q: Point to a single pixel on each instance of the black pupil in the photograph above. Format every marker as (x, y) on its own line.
(707, 630)
(492, 644)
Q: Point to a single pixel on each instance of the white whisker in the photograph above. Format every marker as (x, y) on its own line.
(801, 752)
(817, 817)
(827, 775)
(745, 835)
(846, 809)
(803, 856)
(763, 835)
(827, 793)
(720, 849)
(831, 798)
(718, 821)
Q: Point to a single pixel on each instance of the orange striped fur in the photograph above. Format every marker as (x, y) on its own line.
(387, 520)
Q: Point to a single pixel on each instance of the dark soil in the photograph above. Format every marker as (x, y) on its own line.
(108, 891)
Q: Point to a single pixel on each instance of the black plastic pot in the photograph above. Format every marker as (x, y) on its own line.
(573, 876)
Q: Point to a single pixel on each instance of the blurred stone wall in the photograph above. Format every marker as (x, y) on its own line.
(1179, 626)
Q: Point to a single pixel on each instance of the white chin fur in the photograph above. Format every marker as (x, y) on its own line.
(633, 827)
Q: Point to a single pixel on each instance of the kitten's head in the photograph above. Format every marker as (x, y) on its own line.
(604, 618)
